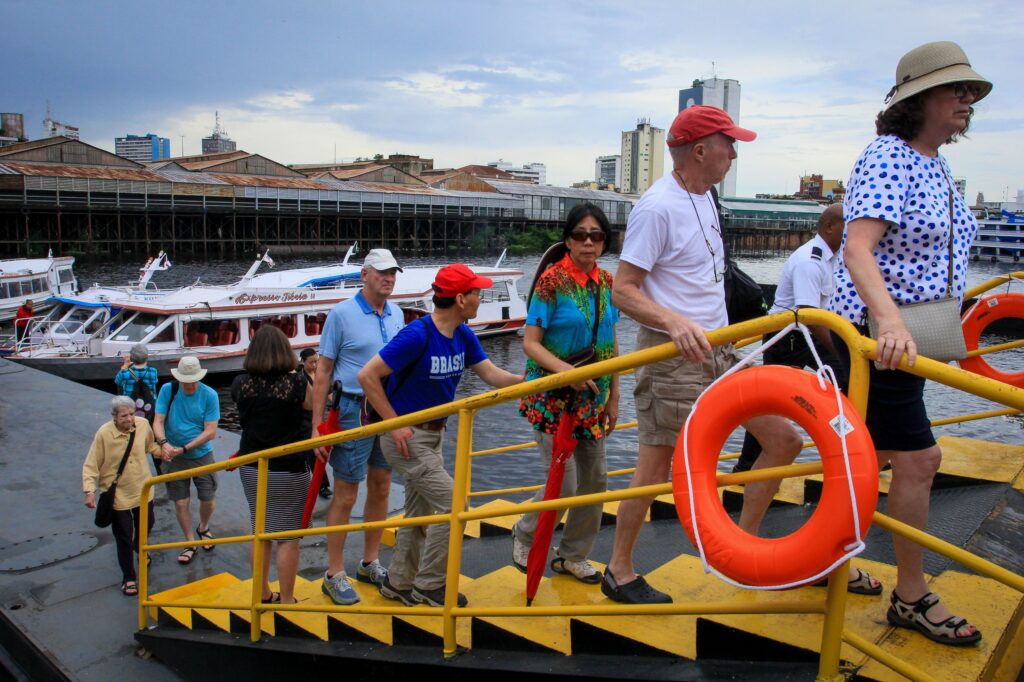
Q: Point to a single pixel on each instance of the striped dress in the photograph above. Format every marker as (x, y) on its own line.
(270, 413)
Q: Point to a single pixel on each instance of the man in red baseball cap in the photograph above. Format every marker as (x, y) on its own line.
(425, 362)
(671, 281)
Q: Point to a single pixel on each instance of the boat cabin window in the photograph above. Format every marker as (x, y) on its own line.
(65, 275)
(315, 323)
(286, 323)
(211, 332)
(499, 292)
(143, 325)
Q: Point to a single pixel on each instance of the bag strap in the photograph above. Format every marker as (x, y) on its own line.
(949, 275)
(597, 310)
(124, 458)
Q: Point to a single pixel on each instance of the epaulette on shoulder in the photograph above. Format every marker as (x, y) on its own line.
(816, 253)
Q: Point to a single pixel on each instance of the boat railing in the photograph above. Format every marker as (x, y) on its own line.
(832, 607)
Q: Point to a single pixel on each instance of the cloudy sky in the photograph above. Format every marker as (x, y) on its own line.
(471, 82)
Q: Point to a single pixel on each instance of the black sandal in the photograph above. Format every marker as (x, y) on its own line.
(914, 615)
(130, 588)
(187, 555)
(275, 598)
(205, 535)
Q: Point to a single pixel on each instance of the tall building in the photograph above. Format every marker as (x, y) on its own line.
(143, 148)
(723, 93)
(537, 173)
(643, 157)
(53, 128)
(608, 170)
(218, 141)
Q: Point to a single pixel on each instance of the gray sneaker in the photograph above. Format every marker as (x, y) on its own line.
(339, 589)
(435, 597)
(388, 591)
(372, 573)
(582, 570)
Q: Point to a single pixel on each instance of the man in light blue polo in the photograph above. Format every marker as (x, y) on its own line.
(353, 333)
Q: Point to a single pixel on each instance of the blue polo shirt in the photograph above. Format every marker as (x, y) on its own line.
(352, 335)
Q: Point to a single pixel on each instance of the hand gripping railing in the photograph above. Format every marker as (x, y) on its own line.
(833, 633)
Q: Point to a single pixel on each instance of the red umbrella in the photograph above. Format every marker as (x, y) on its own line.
(561, 450)
(329, 425)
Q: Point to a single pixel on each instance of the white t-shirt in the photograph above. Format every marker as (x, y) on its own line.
(664, 237)
(807, 278)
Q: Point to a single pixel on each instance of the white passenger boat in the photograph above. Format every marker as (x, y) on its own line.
(215, 323)
(36, 280)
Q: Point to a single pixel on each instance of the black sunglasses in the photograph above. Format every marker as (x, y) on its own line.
(596, 236)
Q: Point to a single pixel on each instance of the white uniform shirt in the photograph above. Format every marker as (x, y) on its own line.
(664, 238)
(807, 278)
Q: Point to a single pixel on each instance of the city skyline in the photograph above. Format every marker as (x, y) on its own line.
(555, 84)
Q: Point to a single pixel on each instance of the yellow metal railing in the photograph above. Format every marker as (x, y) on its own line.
(833, 607)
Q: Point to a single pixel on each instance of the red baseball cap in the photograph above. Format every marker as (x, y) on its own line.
(698, 121)
(452, 280)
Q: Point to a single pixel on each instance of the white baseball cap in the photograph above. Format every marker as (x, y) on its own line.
(380, 260)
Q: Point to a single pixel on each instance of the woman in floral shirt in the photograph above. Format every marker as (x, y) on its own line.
(560, 324)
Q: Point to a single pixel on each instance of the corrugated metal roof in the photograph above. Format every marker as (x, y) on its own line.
(265, 181)
(176, 173)
(60, 170)
(7, 170)
(401, 189)
(32, 144)
(530, 189)
(771, 208)
(347, 173)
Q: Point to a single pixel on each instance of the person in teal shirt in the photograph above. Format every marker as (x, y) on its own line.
(185, 426)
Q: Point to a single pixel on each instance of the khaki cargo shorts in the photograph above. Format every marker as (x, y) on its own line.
(665, 391)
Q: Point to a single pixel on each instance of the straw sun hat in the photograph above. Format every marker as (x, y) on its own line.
(930, 65)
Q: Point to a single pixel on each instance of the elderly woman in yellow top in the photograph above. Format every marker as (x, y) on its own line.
(108, 447)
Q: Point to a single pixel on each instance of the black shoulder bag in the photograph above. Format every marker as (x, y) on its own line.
(105, 505)
(744, 299)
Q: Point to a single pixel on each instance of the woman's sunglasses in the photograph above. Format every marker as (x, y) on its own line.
(960, 90)
(596, 236)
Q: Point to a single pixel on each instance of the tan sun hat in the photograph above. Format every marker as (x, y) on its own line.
(189, 371)
(930, 65)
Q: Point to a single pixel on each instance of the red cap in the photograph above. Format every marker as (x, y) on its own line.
(698, 121)
(452, 280)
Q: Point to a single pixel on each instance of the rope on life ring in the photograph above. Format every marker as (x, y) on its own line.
(981, 315)
(835, 529)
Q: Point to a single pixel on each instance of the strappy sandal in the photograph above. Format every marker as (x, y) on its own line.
(862, 584)
(913, 615)
(129, 588)
(187, 555)
(205, 535)
(275, 598)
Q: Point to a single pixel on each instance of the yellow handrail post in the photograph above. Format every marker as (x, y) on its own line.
(262, 469)
(832, 628)
(143, 553)
(460, 488)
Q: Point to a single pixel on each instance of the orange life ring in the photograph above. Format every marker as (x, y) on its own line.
(982, 314)
(829, 532)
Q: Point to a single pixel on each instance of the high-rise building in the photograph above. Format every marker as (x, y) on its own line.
(218, 141)
(643, 157)
(723, 93)
(143, 148)
(608, 170)
(537, 173)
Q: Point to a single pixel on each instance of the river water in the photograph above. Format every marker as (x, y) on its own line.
(502, 425)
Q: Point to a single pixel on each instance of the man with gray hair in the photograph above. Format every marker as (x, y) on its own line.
(670, 280)
(354, 331)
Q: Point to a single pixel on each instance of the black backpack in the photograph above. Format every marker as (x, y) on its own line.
(145, 404)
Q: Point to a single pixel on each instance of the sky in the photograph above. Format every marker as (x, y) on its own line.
(471, 82)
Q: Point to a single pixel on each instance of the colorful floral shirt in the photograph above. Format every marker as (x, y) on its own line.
(563, 306)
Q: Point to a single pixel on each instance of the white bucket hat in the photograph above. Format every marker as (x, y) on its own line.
(189, 370)
(380, 260)
(933, 64)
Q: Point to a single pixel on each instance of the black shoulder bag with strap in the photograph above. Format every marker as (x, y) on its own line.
(105, 505)
(744, 298)
(141, 392)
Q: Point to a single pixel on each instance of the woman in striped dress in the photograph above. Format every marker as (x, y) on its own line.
(271, 397)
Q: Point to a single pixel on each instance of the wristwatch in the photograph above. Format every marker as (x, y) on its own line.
(184, 449)
(161, 441)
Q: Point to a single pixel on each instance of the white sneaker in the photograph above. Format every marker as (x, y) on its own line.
(581, 570)
(520, 553)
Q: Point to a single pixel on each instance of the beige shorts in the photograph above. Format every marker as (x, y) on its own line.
(665, 391)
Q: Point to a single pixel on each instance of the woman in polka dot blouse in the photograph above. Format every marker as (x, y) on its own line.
(895, 252)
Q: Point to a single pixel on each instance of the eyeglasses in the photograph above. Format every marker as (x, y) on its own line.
(961, 90)
(596, 236)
